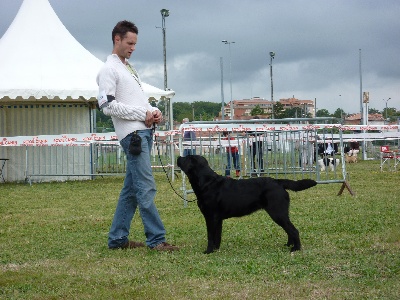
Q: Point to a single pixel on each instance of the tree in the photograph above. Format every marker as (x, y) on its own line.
(339, 113)
(257, 110)
(103, 121)
(279, 111)
(323, 113)
(390, 112)
(161, 106)
(291, 112)
(373, 111)
(206, 111)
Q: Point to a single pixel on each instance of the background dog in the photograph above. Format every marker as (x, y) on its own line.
(350, 159)
(220, 198)
(328, 161)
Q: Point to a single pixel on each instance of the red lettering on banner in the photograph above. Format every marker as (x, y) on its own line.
(217, 129)
(241, 129)
(34, 142)
(64, 139)
(289, 128)
(265, 128)
(6, 142)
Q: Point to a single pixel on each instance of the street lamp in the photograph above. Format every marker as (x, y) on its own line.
(272, 56)
(221, 62)
(164, 14)
(386, 107)
(230, 72)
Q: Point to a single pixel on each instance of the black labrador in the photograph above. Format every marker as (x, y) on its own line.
(220, 198)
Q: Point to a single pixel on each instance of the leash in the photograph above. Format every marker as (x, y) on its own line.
(162, 165)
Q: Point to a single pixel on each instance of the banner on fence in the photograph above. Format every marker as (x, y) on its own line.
(85, 139)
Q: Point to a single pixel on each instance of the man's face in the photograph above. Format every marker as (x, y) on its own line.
(124, 47)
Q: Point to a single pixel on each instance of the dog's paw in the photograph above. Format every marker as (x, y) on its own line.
(209, 250)
(293, 249)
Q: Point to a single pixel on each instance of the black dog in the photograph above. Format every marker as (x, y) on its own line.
(220, 198)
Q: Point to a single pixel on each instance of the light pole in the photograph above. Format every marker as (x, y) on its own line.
(272, 56)
(169, 120)
(386, 108)
(341, 110)
(222, 88)
(164, 14)
(230, 72)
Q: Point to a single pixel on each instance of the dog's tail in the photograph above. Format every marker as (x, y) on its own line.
(296, 185)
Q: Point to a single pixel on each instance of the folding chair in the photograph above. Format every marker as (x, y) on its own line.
(388, 156)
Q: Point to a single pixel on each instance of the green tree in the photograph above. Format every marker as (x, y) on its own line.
(373, 111)
(161, 106)
(205, 111)
(182, 110)
(391, 113)
(103, 122)
(279, 111)
(323, 113)
(257, 110)
(339, 113)
(292, 112)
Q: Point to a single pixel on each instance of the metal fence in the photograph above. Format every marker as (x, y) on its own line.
(292, 151)
(289, 149)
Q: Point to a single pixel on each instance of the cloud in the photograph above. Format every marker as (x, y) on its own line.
(316, 44)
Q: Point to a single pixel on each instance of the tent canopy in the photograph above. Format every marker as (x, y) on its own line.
(39, 58)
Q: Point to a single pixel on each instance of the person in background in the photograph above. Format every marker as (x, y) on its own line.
(257, 152)
(306, 148)
(354, 148)
(121, 96)
(189, 136)
(232, 153)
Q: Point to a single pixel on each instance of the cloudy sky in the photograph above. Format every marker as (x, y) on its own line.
(316, 43)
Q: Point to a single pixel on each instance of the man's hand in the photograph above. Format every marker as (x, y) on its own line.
(149, 119)
(157, 116)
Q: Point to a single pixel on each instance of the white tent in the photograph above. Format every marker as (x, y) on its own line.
(47, 86)
(40, 58)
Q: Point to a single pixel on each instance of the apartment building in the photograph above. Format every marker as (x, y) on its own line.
(242, 108)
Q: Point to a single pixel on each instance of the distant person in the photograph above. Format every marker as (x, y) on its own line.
(257, 152)
(306, 149)
(232, 153)
(121, 96)
(189, 136)
(354, 148)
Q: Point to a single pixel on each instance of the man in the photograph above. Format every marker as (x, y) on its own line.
(121, 96)
(257, 146)
(189, 136)
(231, 152)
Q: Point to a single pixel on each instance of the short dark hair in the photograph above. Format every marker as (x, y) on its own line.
(122, 28)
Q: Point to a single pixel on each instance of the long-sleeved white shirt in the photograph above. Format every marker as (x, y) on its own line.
(128, 110)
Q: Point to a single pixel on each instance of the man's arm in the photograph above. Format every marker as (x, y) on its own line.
(122, 111)
(106, 80)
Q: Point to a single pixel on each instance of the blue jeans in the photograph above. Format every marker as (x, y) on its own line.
(235, 157)
(139, 190)
(187, 152)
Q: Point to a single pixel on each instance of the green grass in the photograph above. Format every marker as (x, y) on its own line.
(53, 245)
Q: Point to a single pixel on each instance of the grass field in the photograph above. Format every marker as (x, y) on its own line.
(53, 245)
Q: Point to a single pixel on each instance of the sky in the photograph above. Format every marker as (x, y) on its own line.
(320, 46)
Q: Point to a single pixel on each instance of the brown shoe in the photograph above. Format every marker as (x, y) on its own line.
(132, 244)
(237, 173)
(165, 247)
